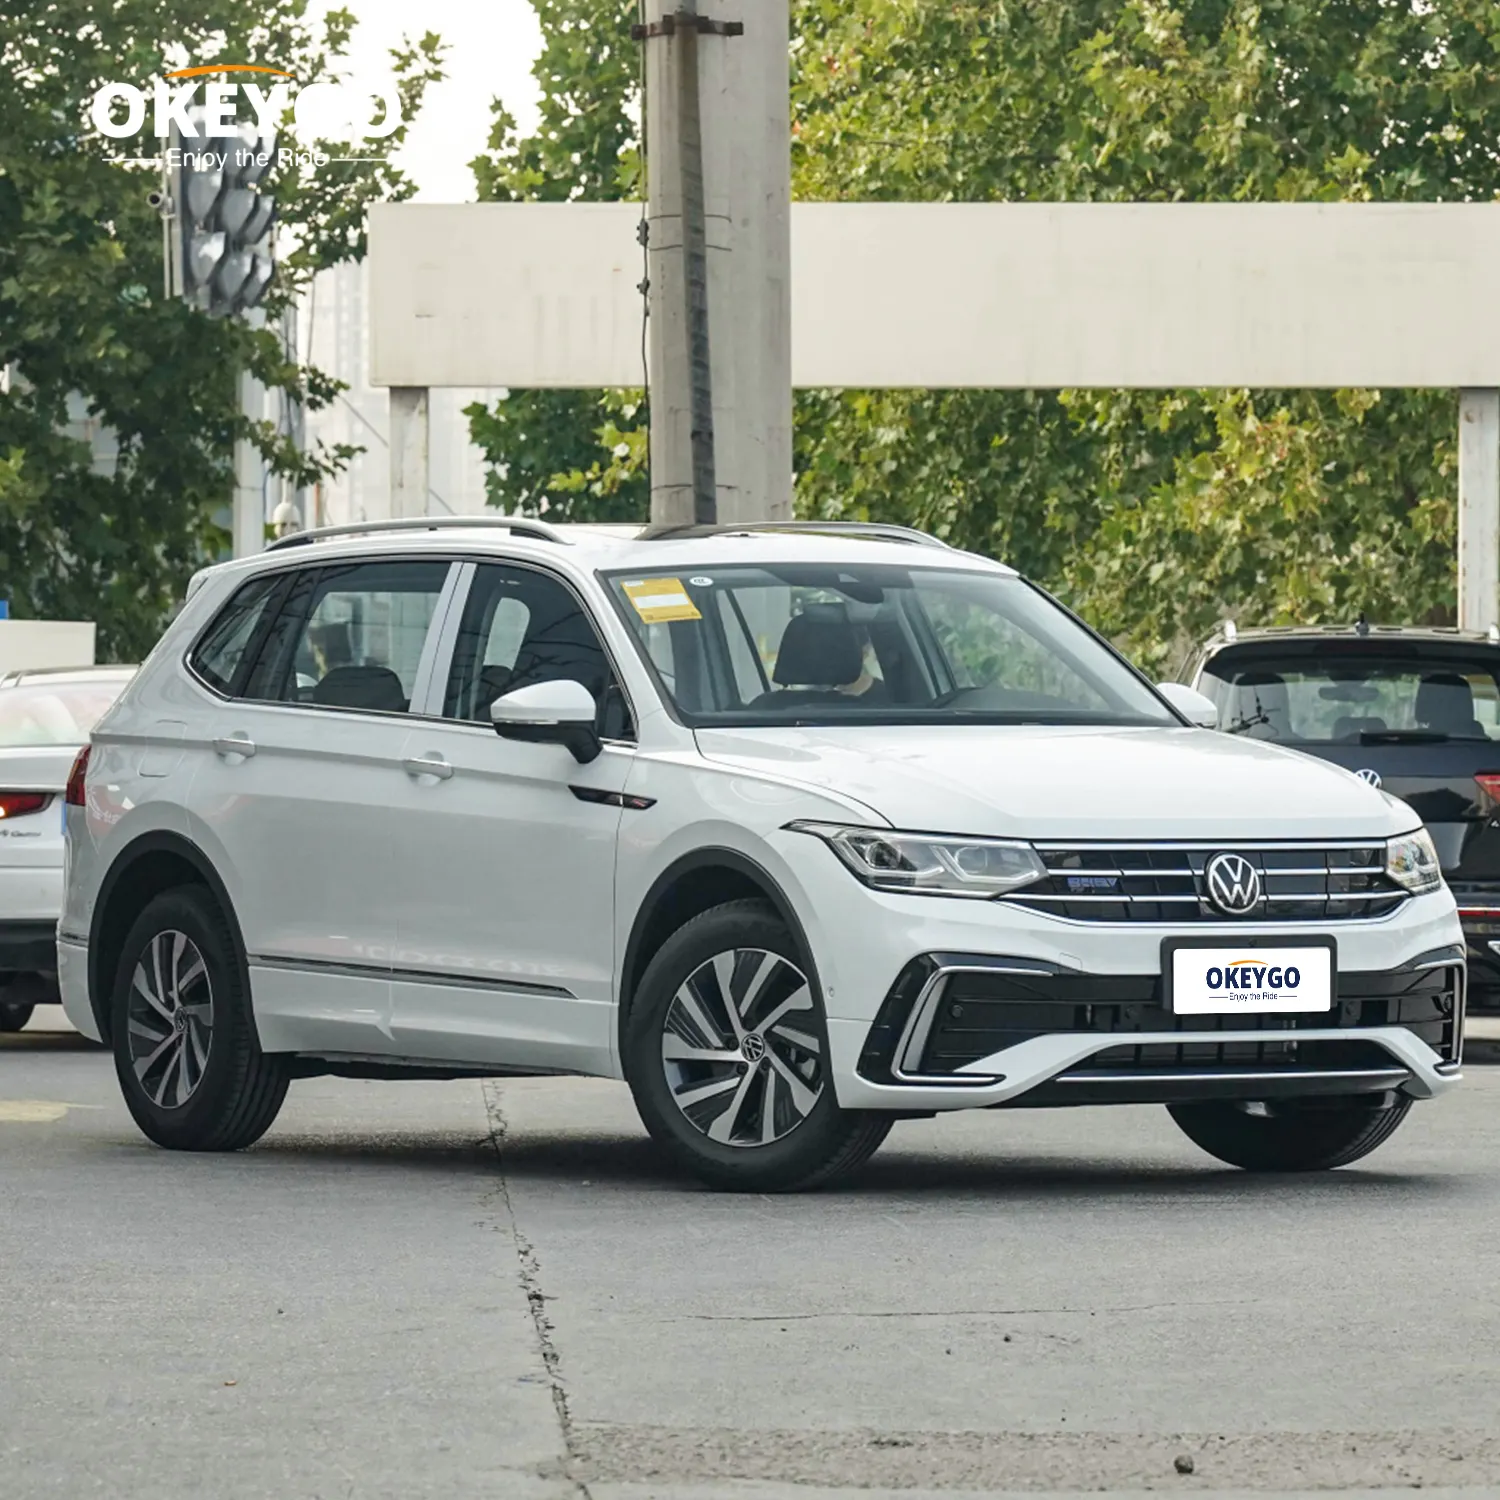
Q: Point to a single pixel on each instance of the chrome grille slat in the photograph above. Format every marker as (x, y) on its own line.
(1165, 882)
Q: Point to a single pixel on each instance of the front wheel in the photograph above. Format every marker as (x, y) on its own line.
(727, 1056)
(1296, 1138)
(186, 1053)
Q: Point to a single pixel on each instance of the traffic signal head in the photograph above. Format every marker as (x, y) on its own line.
(223, 251)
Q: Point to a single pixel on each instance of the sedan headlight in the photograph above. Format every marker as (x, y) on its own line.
(922, 865)
(1412, 861)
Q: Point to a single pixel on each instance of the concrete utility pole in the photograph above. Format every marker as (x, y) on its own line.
(248, 526)
(409, 450)
(718, 149)
(1478, 509)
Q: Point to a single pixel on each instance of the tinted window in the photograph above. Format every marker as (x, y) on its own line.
(220, 654)
(1343, 696)
(350, 637)
(816, 644)
(519, 628)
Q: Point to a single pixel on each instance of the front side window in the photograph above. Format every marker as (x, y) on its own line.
(350, 636)
(813, 644)
(521, 627)
(1349, 694)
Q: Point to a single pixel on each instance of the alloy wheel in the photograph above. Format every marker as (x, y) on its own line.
(170, 1015)
(741, 1050)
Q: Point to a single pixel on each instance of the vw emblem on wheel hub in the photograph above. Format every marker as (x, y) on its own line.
(1369, 777)
(753, 1047)
(1233, 884)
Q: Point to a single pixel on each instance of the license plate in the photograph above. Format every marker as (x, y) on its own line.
(1249, 978)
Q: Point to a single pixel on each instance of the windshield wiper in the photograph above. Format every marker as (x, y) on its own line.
(1240, 725)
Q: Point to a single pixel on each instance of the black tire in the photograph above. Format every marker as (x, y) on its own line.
(1306, 1138)
(236, 1089)
(817, 1144)
(14, 1015)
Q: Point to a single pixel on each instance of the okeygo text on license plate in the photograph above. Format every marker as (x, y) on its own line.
(1251, 981)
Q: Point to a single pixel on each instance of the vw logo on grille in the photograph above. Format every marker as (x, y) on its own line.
(1233, 884)
(1369, 777)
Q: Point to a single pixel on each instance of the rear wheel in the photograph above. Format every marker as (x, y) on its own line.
(727, 1056)
(1312, 1137)
(189, 1064)
(14, 1014)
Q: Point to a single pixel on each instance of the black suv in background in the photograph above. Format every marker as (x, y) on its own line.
(1413, 711)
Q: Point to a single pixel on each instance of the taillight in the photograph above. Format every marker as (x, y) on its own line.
(1489, 783)
(73, 796)
(15, 804)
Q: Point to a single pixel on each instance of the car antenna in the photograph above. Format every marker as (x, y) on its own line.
(1361, 625)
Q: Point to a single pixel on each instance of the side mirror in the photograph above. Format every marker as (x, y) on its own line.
(551, 713)
(1191, 704)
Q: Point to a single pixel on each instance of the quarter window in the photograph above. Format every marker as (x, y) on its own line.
(350, 637)
(221, 652)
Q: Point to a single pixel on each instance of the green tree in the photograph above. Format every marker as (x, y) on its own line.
(83, 315)
(1272, 506)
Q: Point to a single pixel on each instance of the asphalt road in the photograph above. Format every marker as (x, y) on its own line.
(456, 1290)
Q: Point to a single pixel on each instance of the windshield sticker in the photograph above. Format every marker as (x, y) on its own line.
(658, 600)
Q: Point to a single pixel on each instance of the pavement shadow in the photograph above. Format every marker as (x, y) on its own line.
(48, 1041)
(633, 1163)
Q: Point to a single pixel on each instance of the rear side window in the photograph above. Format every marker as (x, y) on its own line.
(221, 653)
(350, 637)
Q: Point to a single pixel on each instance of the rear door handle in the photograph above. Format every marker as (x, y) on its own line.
(427, 765)
(235, 744)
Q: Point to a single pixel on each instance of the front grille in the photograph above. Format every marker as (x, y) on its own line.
(980, 1013)
(1167, 883)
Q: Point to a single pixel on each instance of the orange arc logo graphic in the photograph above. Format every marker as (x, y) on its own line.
(229, 68)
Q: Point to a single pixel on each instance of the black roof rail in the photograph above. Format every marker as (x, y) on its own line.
(523, 526)
(875, 531)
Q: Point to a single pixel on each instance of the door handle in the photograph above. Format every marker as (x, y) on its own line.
(235, 744)
(427, 765)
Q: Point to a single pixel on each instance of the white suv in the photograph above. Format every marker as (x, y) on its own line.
(797, 830)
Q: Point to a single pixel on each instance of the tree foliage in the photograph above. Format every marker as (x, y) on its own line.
(578, 454)
(1155, 512)
(83, 315)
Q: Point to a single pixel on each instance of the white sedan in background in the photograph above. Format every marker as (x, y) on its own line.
(46, 717)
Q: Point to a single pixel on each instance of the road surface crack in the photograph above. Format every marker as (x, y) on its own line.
(531, 1284)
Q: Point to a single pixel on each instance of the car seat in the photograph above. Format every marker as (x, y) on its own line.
(372, 687)
(1445, 705)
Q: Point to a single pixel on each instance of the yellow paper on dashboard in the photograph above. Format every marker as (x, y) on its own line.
(659, 600)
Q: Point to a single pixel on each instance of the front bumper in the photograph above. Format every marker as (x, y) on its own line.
(863, 942)
(967, 1030)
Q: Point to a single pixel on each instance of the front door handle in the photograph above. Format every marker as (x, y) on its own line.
(235, 744)
(427, 765)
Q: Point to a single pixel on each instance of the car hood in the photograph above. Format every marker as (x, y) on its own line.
(1073, 782)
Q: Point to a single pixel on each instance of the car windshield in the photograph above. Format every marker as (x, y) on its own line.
(1360, 696)
(821, 645)
(54, 713)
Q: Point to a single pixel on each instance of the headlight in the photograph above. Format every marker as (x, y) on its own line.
(922, 865)
(1412, 861)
